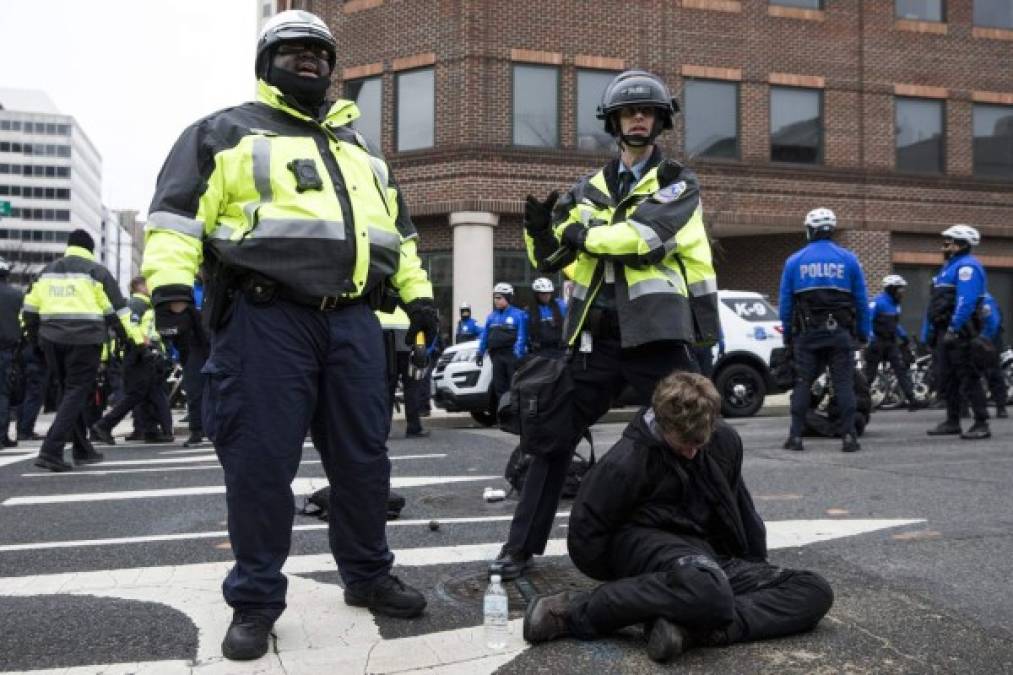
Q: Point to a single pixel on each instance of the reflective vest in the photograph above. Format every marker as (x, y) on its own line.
(652, 244)
(142, 315)
(270, 190)
(75, 299)
(397, 323)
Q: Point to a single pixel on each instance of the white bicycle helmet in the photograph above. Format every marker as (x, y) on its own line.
(964, 233)
(503, 288)
(820, 221)
(894, 280)
(542, 285)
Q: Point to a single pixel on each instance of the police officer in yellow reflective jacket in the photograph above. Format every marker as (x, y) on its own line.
(645, 288)
(302, 231)
(67, 313)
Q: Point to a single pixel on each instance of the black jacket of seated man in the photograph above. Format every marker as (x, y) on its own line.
(681, 539)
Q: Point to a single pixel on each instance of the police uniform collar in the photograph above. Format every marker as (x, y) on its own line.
(611, 170)
(80, 252)
(341, 112)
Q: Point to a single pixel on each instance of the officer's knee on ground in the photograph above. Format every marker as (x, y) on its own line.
(704, 585)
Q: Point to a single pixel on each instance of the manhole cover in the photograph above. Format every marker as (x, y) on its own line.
(545, 576)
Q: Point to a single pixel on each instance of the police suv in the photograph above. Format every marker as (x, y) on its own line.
(742, 375)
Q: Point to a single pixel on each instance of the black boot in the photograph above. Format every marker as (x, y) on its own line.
(978, 431)
(134, 437)
(247, 637)
(794, 443)
(195, 439)
(9, 442)
(103, 434)
(914, 404)
(509, 564)
(387, 595)
(1000, 411)
(54, 464)
(666, 640)
(159, 438)
(947, 428)
(850, 443)
(91, 458)
(545, 616)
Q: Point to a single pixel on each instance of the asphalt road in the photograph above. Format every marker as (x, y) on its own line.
(117, 567)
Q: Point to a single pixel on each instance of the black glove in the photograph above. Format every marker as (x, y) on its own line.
(170, 324)
(574, 236)
(538, 215)
(479, 360)
(422, 318)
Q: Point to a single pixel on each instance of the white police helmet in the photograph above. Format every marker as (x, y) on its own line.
(820, 221)
(542, 285)
(466, 306)
(894, 280)
(503, 288)
(964, 233)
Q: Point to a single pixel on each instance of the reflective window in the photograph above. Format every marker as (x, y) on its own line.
(805, 4)
(416, 111)
(920, 10)
(536, 106)
(993, 13)
(591, 133)
(993, 140)
(796, 125)
(368, 97)
(919, 135)
(711, 115)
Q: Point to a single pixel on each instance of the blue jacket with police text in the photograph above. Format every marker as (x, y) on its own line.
(823, 266)
(885, 318)
(505, 328)
(467, 330)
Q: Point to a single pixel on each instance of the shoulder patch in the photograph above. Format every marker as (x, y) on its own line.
(965, 273)
(669, 193)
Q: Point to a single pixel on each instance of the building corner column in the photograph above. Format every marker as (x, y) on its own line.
(473, 261)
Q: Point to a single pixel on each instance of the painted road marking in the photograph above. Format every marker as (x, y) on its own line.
(300, 486)
(14, 459)
(319, 632)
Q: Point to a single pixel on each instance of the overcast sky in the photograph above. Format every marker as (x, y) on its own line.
(133, 72)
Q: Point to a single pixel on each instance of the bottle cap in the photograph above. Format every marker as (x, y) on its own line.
(495, 578)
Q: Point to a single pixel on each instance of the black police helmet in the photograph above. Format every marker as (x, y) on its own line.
(637, 88)
(293, 25)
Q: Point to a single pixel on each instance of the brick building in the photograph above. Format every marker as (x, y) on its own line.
(898, 114)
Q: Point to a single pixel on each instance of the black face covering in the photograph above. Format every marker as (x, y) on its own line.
(309, 92)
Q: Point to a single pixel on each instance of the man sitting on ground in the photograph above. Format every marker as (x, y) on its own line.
(667, 521)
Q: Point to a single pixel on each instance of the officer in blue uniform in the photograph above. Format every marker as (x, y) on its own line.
(545, 320)
(467, 328)
(505, 337)
(952, 322)
(886, 331)
(823, 309)
(992, 330)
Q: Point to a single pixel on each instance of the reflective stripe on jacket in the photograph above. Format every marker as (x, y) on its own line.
(75, 300)
(654, 239)
(232, 183)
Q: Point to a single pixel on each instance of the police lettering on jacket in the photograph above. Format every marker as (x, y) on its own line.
(957, 292)
(505, 329)
(886, 318)
(825, 277)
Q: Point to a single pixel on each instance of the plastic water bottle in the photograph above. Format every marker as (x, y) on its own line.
(496, 614)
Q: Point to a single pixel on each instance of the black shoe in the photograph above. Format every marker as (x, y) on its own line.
(1001, 412)
(850, 443)
(425, 413)
(90, 458)
(666, 640)
(545, 617)
(195, 439)
(134, 437)
(421, 433)
(247, 637)
(509, 564)
(946, 428)
(159, 438)
(31, 436)
(914, 405)
(389, 596)
(794, 443)
(54, 464)
(978, 431)
(101, 433)
(9, 442)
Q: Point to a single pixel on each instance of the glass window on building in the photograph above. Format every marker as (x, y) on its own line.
(711, 118)
(920, 10)
(440, 267)
(804, 4)
(796, 125)
(993, 13)
(416, 110)
(591, 133)
(993, 140)
(368, 97)
(919, 135)
(536, 106)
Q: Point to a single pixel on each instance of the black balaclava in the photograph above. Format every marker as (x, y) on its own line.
(308, 92)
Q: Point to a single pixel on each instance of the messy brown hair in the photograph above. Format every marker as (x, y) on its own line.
(686, 405)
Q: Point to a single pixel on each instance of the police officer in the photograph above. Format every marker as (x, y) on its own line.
(67, 313)
(886, 330)
(545, 319)
(505, 337)
(992, 330)
(302, 229)
(399, 369)
(467, 328)
(632, 237)
(10, 337)
(952, 322)
(823, 309)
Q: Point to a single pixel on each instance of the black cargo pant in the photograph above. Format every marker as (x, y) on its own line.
(75, 367)
(598, 379)
(959, 376)
(719, 600)
(883, 349)
(504, 363)
(813, 351)
(143, 388)
(996, 379)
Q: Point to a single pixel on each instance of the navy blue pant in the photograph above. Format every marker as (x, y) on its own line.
(882, 349)
(6, 360)
(960, 380)
(143, 391)
(814, 351)
(75, 367)
(193, 385)
(275, 371)
(36, 378)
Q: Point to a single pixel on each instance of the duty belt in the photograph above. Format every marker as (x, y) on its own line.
(262, 289)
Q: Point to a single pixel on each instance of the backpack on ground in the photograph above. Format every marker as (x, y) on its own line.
(318, 504)
(517, 469)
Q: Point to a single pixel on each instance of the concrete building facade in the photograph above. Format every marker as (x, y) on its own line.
(897, 115)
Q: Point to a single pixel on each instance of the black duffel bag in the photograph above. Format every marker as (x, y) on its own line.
(318, 504)
(539, 405)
